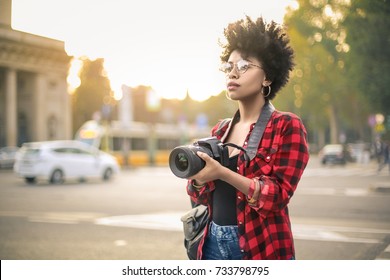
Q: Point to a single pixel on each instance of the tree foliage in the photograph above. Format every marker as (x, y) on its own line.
(331, 89)
(368, 24)
(94, 92)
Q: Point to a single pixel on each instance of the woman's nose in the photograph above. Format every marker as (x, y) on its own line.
(233, 74)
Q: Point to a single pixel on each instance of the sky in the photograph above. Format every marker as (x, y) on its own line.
(170, 45)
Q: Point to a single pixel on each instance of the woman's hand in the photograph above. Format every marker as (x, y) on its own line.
(213, 170)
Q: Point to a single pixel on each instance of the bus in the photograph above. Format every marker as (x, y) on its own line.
(138, 144)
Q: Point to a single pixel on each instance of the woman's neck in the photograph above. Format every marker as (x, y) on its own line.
(250, 110)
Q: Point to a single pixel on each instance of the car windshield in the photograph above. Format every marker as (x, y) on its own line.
(88, 141)
(31, 152)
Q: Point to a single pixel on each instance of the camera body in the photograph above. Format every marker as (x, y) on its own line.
(184, 162)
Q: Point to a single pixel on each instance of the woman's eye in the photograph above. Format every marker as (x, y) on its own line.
(243, 67)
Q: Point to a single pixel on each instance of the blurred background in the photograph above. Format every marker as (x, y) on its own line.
(123, 63)
(135, 80)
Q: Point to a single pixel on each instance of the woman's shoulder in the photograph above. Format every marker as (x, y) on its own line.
(220, 127)
(287, 116)
(285, 120)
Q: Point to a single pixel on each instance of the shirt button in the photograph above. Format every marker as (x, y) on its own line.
(242, 251)
(238, 168)
(239, 197)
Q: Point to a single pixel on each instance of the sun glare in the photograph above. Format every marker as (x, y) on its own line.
(73, 77)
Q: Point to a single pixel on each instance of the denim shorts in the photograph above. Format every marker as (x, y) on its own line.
(222, 243)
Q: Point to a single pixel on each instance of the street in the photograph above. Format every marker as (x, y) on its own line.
(337, 213)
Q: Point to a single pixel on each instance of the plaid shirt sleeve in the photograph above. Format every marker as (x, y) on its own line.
(282, 158)
(264, 228)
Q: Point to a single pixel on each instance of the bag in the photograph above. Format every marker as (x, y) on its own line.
(194, 224)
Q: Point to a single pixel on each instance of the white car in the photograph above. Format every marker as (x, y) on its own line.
(333, 154)
(56, 161)
(7, 156)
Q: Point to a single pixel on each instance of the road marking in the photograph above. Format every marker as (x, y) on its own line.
(356, 192)
(333, 172)
(51, 220)
(54, 217)
(316, 191)
(316, 235)
(170, 221)
(156, 171)
(120, 243)
(335, 233)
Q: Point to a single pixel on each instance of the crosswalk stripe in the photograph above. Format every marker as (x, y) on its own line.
(317, 172)
(170, 221)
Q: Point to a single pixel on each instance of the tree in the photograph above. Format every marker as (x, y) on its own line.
(368, 24)
(93, 93)
(324, 92)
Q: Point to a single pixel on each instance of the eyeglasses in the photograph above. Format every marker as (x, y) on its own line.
(242, 66)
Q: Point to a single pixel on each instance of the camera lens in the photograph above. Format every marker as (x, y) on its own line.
(181, 162)
(184, 162)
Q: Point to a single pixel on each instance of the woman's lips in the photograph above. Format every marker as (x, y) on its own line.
(232, 86)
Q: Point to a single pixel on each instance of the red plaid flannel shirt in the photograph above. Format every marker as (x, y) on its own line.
(264, 229)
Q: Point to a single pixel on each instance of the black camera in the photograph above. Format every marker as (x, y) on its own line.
(184, 162)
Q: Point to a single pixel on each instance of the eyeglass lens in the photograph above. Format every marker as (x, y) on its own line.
(241, 65)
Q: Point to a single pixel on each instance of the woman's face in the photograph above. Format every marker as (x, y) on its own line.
(246, 77)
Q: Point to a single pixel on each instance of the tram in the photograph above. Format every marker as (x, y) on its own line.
(138, 144)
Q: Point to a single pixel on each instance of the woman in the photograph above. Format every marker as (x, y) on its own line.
(248, 199)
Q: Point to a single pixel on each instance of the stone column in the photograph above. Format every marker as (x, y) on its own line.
(11, 107)
(39, 103)
(68, 129)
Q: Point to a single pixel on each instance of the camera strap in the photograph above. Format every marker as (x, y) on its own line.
(258, 130)
(239, 148)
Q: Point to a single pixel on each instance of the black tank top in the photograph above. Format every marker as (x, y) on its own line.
(224, 200)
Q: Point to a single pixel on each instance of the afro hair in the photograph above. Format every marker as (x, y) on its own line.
(267, 42)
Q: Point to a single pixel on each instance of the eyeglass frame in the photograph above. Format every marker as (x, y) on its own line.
(235, 65)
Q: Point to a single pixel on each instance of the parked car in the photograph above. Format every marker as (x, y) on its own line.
(57, 161)
(7, 156)
(333, 154)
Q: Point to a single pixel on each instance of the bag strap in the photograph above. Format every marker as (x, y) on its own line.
(258, 130)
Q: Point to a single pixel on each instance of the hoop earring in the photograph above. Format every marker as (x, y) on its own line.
(268, 92)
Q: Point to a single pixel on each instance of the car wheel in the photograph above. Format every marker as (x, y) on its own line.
(107, 174)
(30, 180)
(57, 177)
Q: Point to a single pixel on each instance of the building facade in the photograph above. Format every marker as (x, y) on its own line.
(34, 99)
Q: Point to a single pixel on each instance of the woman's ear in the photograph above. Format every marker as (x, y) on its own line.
(266, 83)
